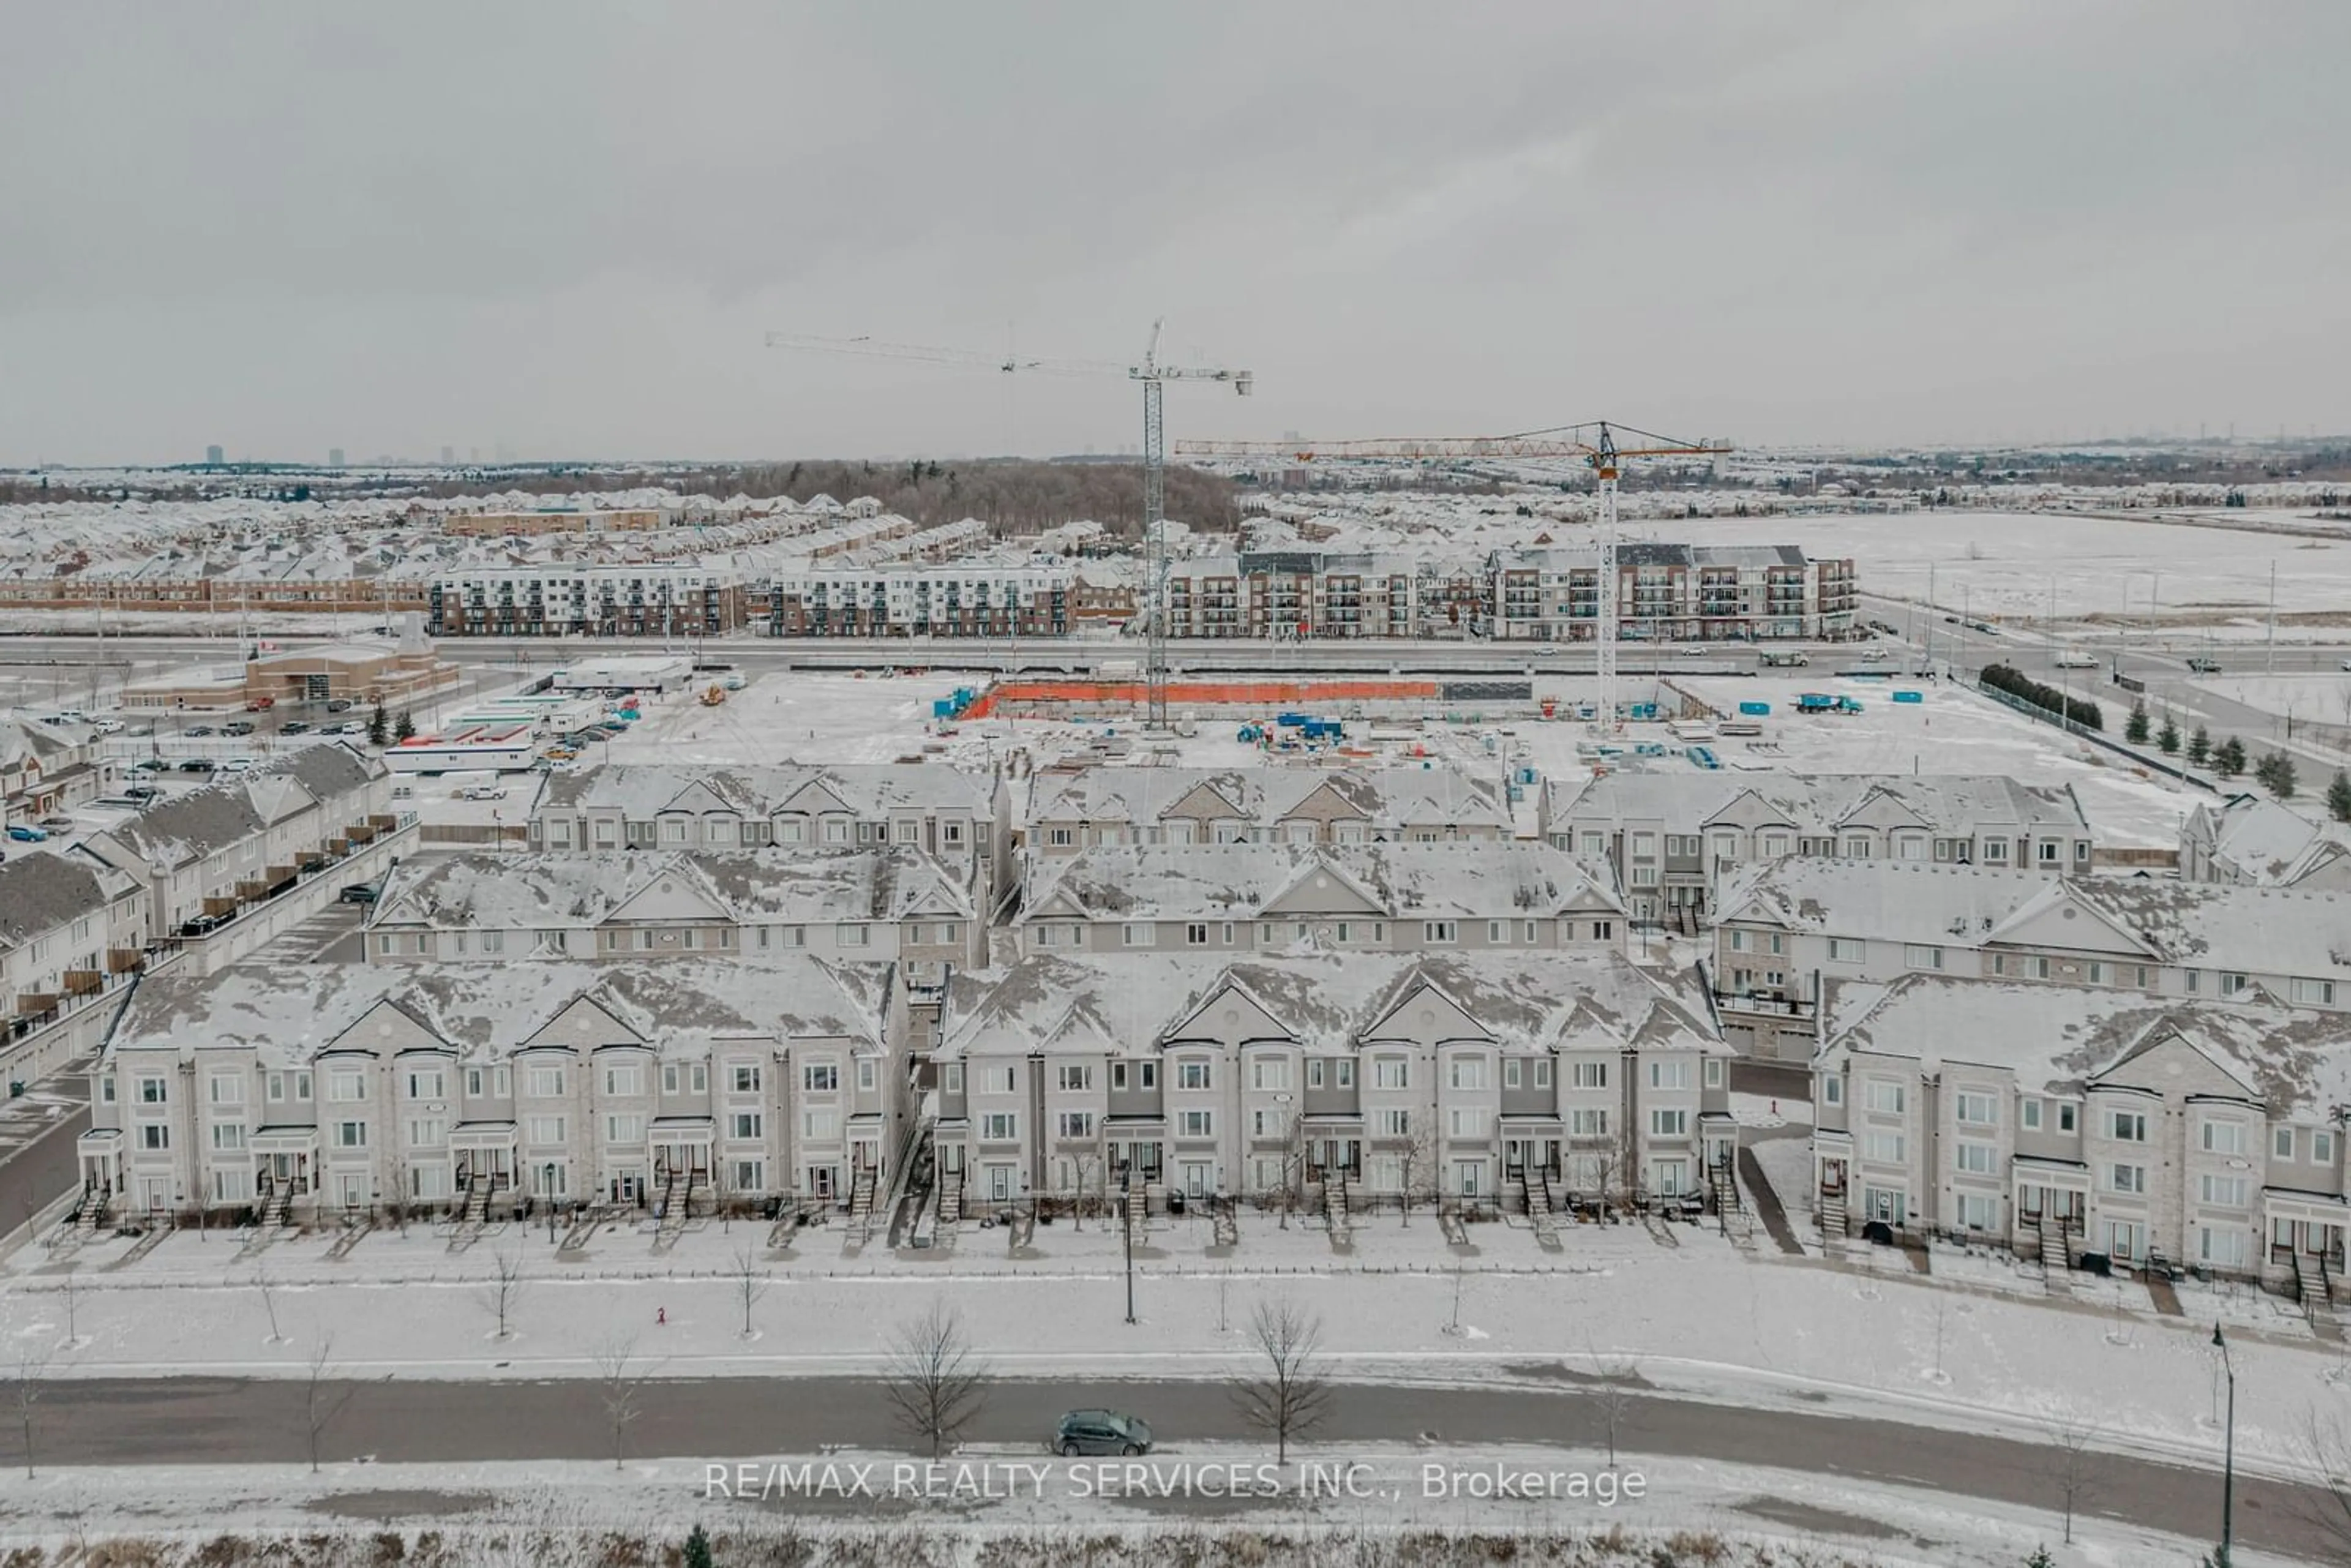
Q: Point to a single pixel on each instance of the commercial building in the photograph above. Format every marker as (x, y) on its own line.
(395, 674)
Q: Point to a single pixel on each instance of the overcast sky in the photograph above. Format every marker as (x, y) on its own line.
(562, 228)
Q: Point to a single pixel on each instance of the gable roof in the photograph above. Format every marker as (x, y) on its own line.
(641, 790)
(1817, 802)
(1386, 798)
(524, 891)
(1462, 880)
(41, 892)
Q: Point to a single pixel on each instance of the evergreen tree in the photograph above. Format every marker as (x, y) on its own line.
(379, 726)
(2167, 738)
(2040, 1559)
(2338, 797)
(2281, 779)
(405, 729)
(2135, 728)
(2200, 747)
(2229, 758)
(2265, 770)
(697, 1549)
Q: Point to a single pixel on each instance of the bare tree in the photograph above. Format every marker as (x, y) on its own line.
(933, 1380)
(1459, 1274)
(1615, 1382)
(2326, 1447)
(751, 1283)
(24, 1394)
(2073, 1465)
(319, 1404)
(268, 1303)
(1290, 1396)
(72, 1338)
(1416, 1153)
(1086, 1167)
(503, 1289)
(618, 1386)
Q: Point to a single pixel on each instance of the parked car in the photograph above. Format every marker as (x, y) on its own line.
(1694, 652)
(58, 825)
(261, 705)
(360, 892)
(2078, 661)
(106, 726)
(1100, 1432)
(199, 730)
(240, 765)
(340, 705)
(25, 835)
(485, 792)
(151, 765)
(344, 729)
(239, 726)
(2204, 666)
(200, 925)
(1875, 653)
(141, 792)
(198, 765)
(294, 726)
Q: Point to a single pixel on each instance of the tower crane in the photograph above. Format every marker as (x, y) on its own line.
(1154, 375)
(1593, 444)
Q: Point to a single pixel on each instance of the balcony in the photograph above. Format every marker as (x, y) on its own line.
(1769, 1004)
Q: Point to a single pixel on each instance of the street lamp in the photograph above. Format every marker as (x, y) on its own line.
(547, 1189)
(1127, 1228)
(2229, 1462)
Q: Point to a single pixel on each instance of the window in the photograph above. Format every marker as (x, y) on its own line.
(1737, 939)
(1195, 1074)
(2048, 848)
(1494, 929)
(1669, 1124)
(1669, 1075)
(820, 1124)
(1886, 1097)
(1511, 1073)
(155, 1135)
(2127, 1126)
(750, 1175)
(1342, 1072)
(849, 937)
(225, 1089)
(545, 1083)
(1543, 1073)
(1076, 1125)
(1466, 1122)
(1392, 1123)
(2322, 1146)
(228, 1136)
(544, 1129)
(2314, 993)
(625, 1129)
(1587, 1075)
(744, 1125)
(2127, 1178)
(154, 1090)
(624, 1080)
(1883, 1149)
(1832, 1091)
(106, 1088)
(2097, 973)
(1603, 930)
(1440, 933)
(1076, 1077)
(2223, 1137)
(1591, 1123)
(1314, 1069)
(1269, 1073)
(821, 1077)
(1390, 1072)
(347, 1088)
(2220, 1248)
(999, 1079)
(2231, 984)
(1972, 1158)
(1196, 1124)
(1917, 958)
(2223, 1191)
(2068, 1117)
(2028, 1112)
(1976, 1108)
(427, 1132)
(1467, 1073)
(1138, 934)
(1848, 949)
(2281, 1142)
(350, 1135)
(1196, 935)
(744, 1077)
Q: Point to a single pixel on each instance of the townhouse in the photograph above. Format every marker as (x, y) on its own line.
(1334, 1080)
(960, 820)
(47, 767)
(1789, 928)
(307, 1089)
(1674, 592)
(2065, 1119)
(1079, 808)
(73, 931)
(234, 863)
(1276, 897)
(2249, 841)
(887, 904)
(1672, 837)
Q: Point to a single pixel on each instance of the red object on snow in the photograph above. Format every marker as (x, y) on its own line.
(661, 1315)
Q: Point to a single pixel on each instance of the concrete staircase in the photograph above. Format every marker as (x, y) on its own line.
(281, 1203)
(1834, 1226)
(1138, 1207)
(860, 1208)
(950, 1200)
(676, 1207)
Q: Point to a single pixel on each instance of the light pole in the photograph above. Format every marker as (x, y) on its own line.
(547, 1188)
(1127, 1226)
(2228, 1461)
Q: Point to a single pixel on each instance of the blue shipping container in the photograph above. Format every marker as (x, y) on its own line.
(1908, 697)
(1758, 709)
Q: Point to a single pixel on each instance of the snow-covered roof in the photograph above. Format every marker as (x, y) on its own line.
(2059, 1039)
(184, 828)
(1327, 1002)
(528, 892)
(640, 791)
(2265, 841)
(1476, 878)
(1889, 900)
(289, 1013)
(40, 891)
(1383, 796)
(1818, 801)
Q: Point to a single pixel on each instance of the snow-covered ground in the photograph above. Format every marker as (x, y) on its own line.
(2306, 699)
(1982, 1344)
(914, 1515)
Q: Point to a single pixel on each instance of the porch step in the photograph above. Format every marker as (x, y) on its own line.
(950, 1199)
(1138, 1208)
(860, 1209)
(675, 1206)
(274, 1212)
(90, 1213)
(1832, 1218)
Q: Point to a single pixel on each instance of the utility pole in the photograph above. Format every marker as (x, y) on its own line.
(2269, 661)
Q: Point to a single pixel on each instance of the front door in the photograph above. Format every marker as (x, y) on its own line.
(1196, 1178)
(628, 1187)
(1468, 1176)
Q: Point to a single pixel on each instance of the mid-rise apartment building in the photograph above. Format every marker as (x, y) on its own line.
(964, 600)
(558, 599)
(2067, 1120)
(1673, 838)
(1335, 1080)
(1674, 593)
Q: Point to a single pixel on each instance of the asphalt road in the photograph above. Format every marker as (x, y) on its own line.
(224, 1421)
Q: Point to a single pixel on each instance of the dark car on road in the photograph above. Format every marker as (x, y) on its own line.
(1100, 1432)
(360, 892)
(198, 765)
(2204, 666)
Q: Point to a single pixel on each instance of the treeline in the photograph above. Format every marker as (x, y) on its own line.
(1011, 495)
(2024, 688)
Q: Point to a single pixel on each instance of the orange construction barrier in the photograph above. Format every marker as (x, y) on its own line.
(1201, 694)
